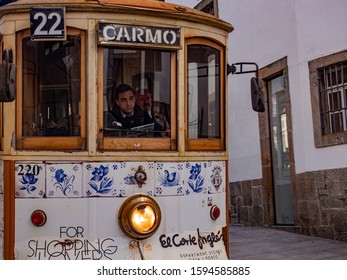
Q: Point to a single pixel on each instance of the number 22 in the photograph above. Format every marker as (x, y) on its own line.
(53, 30)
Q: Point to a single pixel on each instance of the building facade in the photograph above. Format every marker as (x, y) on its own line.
(288, 164)
(291, 171)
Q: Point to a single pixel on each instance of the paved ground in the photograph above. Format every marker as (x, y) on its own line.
(259, 243)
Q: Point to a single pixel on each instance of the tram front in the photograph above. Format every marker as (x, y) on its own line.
(113, 123)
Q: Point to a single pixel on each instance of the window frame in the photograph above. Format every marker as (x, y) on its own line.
(55, 142)
(50, 142)
(111, 143)
(323, 140)
(203, 144)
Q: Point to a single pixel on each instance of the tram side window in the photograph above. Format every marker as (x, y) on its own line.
(137, 93)
(51, 87)
(204, 96)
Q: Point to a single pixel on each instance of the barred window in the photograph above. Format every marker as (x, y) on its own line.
(332, 88)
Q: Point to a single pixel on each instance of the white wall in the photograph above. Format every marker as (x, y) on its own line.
(321, 30)
(262, 38)
(266, 31)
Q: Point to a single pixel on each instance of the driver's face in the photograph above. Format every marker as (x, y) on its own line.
(126, 102)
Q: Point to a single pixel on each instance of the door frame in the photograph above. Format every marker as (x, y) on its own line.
(266, 73)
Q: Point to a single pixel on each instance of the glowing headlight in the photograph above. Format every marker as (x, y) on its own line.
(139, 216)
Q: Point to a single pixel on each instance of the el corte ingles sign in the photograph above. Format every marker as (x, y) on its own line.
(116, 34)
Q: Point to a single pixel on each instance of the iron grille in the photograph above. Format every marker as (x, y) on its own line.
(332, 89)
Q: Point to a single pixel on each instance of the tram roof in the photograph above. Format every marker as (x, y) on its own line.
(148, 7)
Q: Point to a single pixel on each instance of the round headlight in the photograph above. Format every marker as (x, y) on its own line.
(139, 216)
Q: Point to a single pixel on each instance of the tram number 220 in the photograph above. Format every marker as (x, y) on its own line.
(28, 169)
(47, 23)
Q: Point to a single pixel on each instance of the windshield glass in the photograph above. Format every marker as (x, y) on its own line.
(137, 92)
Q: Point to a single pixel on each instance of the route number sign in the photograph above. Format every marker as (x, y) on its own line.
(47, 24)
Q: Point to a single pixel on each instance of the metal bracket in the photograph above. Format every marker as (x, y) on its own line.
(233, 69)
(257, 103)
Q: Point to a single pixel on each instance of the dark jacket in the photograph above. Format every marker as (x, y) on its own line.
(129, 122)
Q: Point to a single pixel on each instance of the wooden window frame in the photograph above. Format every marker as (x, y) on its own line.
(208, 144)
(48, 142)
(323, 140)
(138, 144)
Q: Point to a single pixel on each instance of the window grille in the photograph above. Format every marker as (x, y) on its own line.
(332, 89)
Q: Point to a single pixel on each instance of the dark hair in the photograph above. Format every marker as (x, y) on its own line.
(120, 89)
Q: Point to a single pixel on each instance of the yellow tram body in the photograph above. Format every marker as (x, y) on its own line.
(78, 184)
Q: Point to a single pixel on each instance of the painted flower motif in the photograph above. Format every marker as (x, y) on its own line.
(28, 181)
(160, 166)
(75, 168)
(60, 175)
(99, 182)
(104, 187)
(158, 190)
(99, 173)
(195, 171)
(196, 181)
(197, 186)
(63, 182)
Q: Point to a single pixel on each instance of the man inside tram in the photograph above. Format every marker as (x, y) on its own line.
(124, 108)
(144, 100)
(132, 115)
(126, 118)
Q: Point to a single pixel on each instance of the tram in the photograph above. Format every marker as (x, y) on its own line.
(79, 180)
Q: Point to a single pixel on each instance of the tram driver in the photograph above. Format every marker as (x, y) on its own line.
(124, 109)
(132, 114)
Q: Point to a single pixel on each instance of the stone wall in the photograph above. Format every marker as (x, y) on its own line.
(246, 203)
(321, 204)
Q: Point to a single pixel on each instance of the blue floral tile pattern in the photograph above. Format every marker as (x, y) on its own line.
(97, 179)
(120, 179)
(64, 180)
(30, 179)
(195, 177)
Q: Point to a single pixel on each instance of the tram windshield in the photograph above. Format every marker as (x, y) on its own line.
(137, 92)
